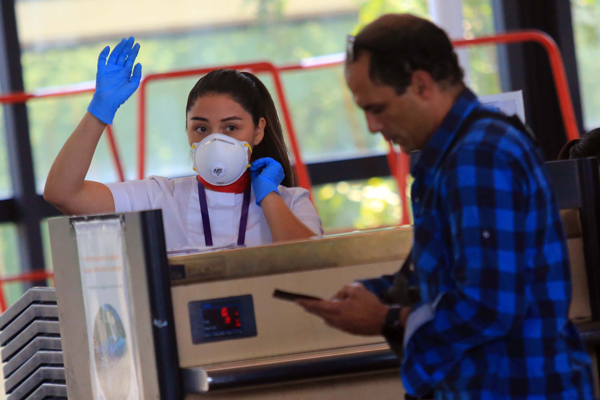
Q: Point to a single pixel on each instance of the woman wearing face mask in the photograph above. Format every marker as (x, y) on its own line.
(230, 121)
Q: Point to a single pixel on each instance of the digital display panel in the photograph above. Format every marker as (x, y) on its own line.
(222, 319)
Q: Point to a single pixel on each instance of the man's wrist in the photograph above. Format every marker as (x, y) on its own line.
(404, 313)
(392, 328)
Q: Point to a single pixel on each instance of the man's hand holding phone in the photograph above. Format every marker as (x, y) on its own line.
(353, 309)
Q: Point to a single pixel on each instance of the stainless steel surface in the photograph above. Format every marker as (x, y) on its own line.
(42, 375)
(33, 312)
(283, 327)
(41, 358)
(37, 295)
(40, 343)
(195, 380)
(300, 357)
(49, 391)
(71, 310)
(344, 250)
(36, 328)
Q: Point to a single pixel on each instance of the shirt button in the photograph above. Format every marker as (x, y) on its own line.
(486, 234)
(416, 199)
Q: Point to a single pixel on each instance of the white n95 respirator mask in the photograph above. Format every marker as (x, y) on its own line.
(221, 160)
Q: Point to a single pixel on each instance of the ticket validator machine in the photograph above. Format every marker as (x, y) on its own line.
(133, 322)
(136, 324)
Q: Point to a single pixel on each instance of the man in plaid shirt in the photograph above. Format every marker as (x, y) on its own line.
(489, 248)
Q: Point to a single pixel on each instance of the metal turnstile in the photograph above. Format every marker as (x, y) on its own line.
(180, 348)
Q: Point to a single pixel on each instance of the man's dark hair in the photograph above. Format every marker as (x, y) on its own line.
(400, 44)
(587, 146)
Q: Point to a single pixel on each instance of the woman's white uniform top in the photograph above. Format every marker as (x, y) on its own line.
(178, 199)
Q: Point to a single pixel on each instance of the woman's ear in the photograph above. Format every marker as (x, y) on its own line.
(259, 132)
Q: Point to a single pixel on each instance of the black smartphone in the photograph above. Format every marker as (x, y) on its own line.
(289, 296)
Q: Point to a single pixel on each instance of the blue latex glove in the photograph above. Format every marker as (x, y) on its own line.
(266, 175)
(114, 81)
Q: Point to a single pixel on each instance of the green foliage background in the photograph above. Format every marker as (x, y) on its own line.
(586, 23)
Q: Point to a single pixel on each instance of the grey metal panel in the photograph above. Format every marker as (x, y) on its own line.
(564, 176)
(71, 305)
(42, 375)
(32, 296)
(41, 358)
(71, 309)
(37, 328)
(20, 154)
(34, 312)
(49, 391)
(40, 343)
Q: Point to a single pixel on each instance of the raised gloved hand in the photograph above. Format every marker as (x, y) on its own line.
(114, 81)
(266, 175)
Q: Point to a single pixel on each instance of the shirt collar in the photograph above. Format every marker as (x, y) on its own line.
(445, 133)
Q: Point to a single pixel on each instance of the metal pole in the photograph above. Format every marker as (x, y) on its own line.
(525, 67)
(19, 145)
(448, 14)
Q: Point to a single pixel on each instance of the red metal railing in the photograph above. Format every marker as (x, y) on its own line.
(555, 58)
(28, 277)
(398, 162)
(556, 63)
(66, 91)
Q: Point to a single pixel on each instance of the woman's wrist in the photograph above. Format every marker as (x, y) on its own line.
(268, 198)
(95, 119)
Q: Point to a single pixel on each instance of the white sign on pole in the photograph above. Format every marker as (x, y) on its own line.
(510, 103)
(108, 316)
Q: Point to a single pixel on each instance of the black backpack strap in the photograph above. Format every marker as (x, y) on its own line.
(477, 115)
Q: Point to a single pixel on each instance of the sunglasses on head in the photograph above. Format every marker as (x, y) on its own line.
(350, 40)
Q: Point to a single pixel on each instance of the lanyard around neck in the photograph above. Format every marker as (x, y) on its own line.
(206, 219)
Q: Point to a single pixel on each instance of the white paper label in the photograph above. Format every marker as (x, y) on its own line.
(108, 316)
(510, 103)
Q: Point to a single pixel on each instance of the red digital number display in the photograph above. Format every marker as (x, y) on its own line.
(221, 320)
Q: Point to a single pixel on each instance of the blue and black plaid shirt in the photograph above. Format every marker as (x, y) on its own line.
(493, 269)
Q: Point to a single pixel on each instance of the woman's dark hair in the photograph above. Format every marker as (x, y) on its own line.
(249, 92)
(587, 146)
(400, 44)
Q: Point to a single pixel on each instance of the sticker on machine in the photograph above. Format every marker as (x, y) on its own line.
(113, 365)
